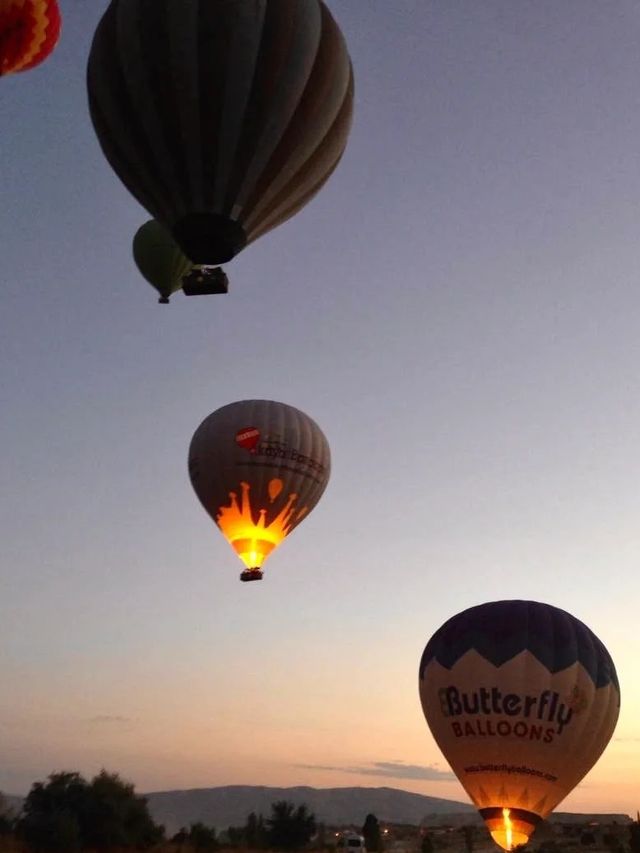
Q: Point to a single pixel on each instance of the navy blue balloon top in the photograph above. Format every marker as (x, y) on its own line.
(499, 630)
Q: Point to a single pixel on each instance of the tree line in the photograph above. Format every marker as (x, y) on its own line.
(68, 814)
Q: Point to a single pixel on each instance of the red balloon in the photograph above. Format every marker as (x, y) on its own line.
(29, 31)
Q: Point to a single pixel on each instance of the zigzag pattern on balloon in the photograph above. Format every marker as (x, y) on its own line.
(503, 629)
(29, 30)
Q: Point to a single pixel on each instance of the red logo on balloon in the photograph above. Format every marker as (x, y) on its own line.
(248, 438)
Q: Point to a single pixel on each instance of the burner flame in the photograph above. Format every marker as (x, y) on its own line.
(253, 541)
(508, 828)
(511, 834)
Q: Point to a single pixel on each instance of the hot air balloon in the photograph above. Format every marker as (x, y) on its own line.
(165, 267)
(159, 259)
(522, 698)
(29, 31)
(222, 119)
(258, 467)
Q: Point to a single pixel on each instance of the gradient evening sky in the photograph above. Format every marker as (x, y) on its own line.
(459, 309)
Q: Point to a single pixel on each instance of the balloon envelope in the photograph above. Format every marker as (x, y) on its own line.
(258, 467)
(29, 31)
(522, 698)
(159, 259)
(222, 118)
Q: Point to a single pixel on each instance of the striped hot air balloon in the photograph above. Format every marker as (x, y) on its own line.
(29, 31)
(258, 467)
(222, 118)
(522, 698)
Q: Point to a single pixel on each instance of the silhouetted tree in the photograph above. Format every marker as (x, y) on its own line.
(612, 843)
(51, 813)
(587, 838)
(290, 828)
(320, 841)
(634, 833)
(371, 833)
(469, 833)
(181, 836)
(255, 832)
(203, 837)
(52, 833)
(115, 817)
(67, 813)
(62, 792)
(235, 835)
(426, 843)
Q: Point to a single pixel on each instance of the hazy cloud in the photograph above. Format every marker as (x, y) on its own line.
(110, 719)
(393, 769)
(627, 739)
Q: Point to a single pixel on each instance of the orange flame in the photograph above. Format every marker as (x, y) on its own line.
(254, 541)
(508, 828)
(510, 835)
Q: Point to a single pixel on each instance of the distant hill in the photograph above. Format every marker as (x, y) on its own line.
(230, 805)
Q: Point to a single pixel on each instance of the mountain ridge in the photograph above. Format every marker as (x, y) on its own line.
(229, 805)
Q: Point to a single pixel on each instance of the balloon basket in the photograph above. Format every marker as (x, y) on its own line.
(251, 575)
(202, 281)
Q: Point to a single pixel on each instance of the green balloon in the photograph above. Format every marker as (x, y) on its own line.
(159, 259)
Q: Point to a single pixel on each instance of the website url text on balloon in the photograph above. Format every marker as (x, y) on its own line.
(510, 768)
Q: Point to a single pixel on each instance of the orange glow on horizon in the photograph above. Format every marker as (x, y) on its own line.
(253, 541)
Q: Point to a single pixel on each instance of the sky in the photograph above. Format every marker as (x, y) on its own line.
(458, 309)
